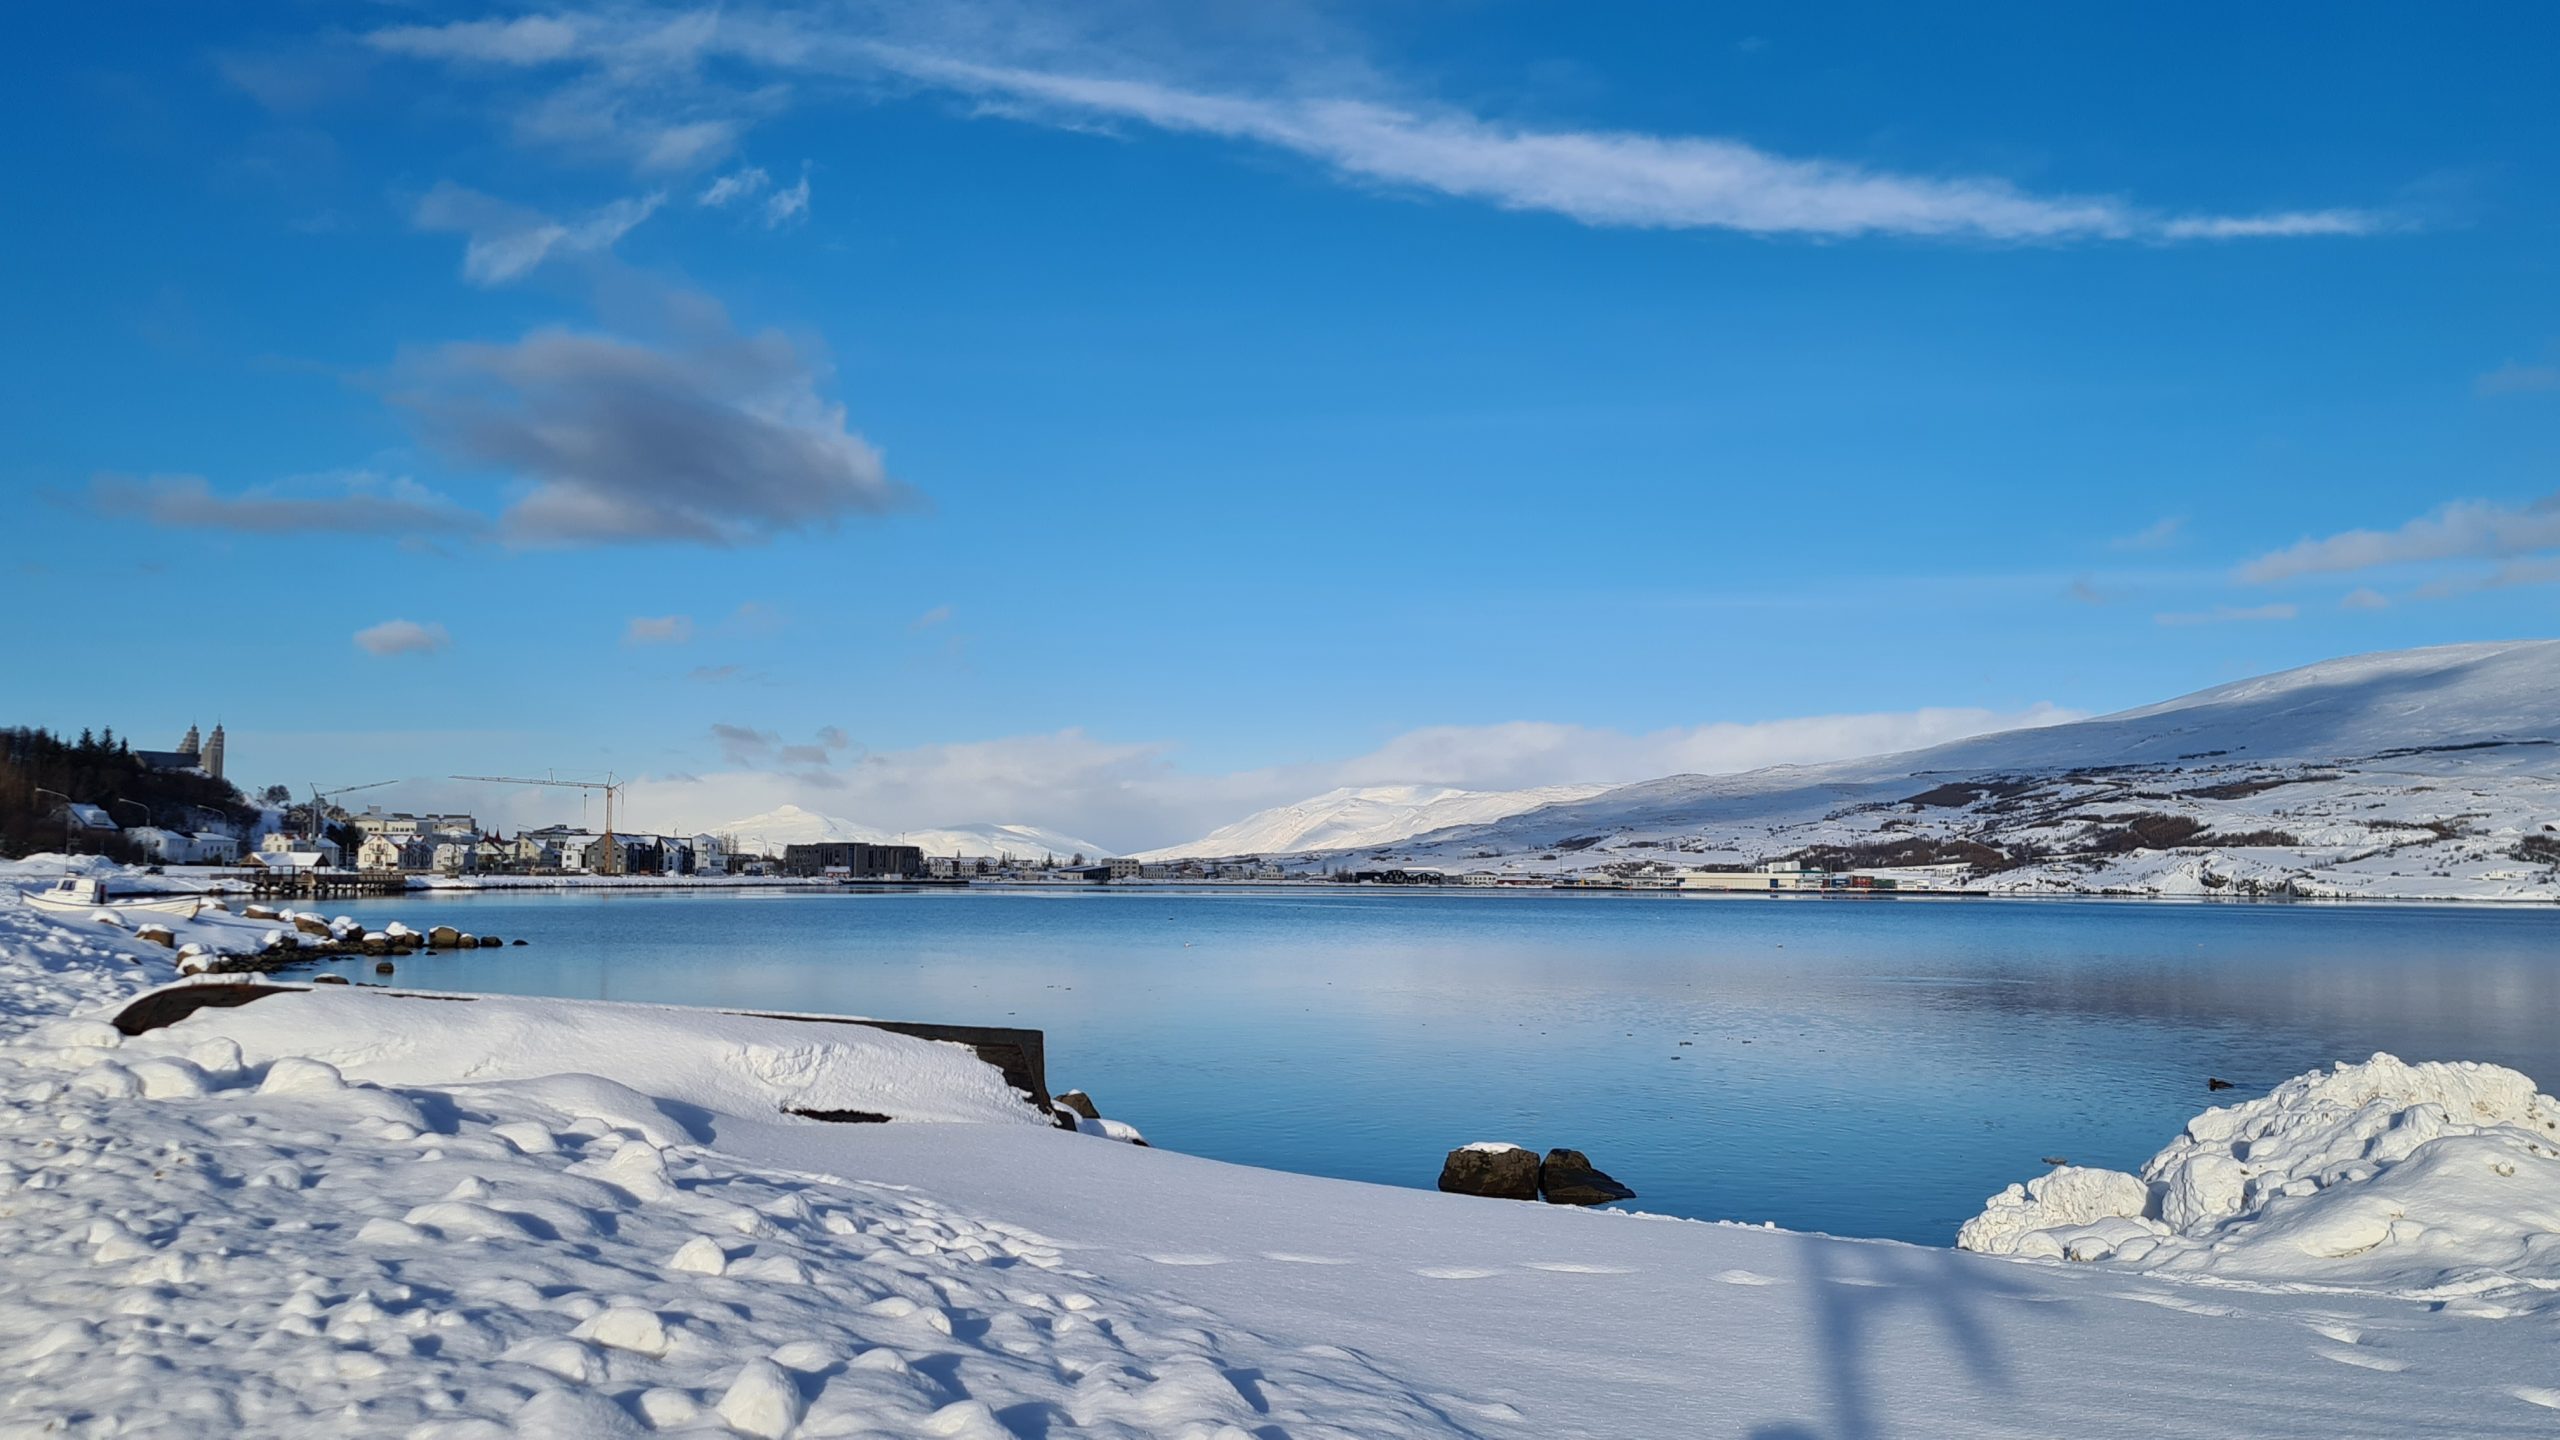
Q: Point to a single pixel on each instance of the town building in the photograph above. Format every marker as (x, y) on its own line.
(180, 847)
(193, 753)
(285, 842)
(854, 859)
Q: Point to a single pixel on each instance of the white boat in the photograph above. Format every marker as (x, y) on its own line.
(76, 893)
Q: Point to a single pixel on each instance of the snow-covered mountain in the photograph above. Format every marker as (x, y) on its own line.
(2415, 773)
(1373, 815)
(791, 825)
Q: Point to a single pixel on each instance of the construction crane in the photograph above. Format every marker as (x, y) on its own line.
(609, 785)
(320, 800)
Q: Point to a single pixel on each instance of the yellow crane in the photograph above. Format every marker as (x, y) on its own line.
(609, 785)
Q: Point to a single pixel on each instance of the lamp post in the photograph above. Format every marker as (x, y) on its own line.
(67, 817)
(147, 817)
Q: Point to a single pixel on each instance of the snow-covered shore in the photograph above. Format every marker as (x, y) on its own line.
(313, 1216)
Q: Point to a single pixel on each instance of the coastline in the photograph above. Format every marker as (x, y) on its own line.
(958, 1279)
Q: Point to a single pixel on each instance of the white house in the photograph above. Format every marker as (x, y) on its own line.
(177, 847)
(378, 852)
(285, 842)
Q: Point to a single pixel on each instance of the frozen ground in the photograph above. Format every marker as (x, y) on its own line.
(347, 1213)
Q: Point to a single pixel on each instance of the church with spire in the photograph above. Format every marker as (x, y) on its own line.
(195, 752)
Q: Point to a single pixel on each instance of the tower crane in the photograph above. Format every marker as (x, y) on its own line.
(320, 800)
(609, 785)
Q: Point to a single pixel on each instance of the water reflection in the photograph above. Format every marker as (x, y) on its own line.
(1866, 1067)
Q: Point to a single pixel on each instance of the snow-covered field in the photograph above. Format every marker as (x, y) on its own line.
(2416, 774)
(343, 1212)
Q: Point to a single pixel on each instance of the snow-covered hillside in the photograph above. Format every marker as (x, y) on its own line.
(791, 825)
(1367, 816)
(2429, 773)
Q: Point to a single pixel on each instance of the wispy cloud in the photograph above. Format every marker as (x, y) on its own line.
(635, 78)
(736, 185)
(2160, 534)
(2364, 597)
(2463, 530)
(2229, 615)
(531, 40)
(658, 630)
(402, 637)
(938, 615)
(2520, 380)
(347, 503)
(784, 206)
(508, 241)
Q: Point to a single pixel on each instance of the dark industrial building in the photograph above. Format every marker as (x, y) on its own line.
(854, 859)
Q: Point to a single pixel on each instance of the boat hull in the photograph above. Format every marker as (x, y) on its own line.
(180, 905)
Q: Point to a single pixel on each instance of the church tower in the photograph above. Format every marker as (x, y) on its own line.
(192, 744)
(212, 761)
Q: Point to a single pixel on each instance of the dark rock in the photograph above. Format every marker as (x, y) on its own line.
(329, 980)
(444, 937)
(311, 925)
(488, 942)
(519, 942)
(259, 912)
(381, 967)
(1081, 1103)
(377, 945)
(1567, 1178)
(160, 935)
(2055, 1160)
(2216, 1082)
(1508, 1173)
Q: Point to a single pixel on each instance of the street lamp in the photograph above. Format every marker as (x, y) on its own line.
(67, 817)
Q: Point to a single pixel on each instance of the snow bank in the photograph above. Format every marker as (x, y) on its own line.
(2429, 1178)
(691, 1060)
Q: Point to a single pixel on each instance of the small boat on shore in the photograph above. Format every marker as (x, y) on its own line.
(74, 894)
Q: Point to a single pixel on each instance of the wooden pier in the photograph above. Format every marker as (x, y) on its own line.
(317, 884)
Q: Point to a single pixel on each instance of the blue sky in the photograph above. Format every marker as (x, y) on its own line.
(1121, 419)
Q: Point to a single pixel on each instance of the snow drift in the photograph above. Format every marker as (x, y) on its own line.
(696, 1062)
(2431, 1178)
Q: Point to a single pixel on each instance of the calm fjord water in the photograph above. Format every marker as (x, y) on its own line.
(1864, 1067)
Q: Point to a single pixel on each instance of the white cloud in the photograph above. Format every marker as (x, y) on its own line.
(532, 40)
(637, 66)
(507, 242)
(736, 185)
(402, 637)
(2463, 530)
(1135, 796)
(784, 206)
(2228, 615)
(938, 615)
(2283, 225)
(2364, 597)
(658, 630)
